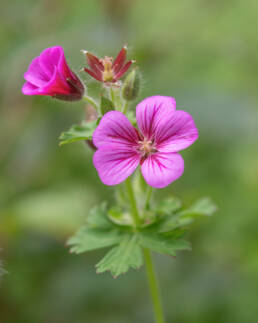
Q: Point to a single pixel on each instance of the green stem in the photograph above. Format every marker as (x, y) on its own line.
(148, 197)
(153, 283)
(91, 101)
(125, 107)
(134, 209)
(112, 95)
(154, 287)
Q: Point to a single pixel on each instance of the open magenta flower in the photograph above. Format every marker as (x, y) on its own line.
(105, 70)
(162, 132)
(49, 74)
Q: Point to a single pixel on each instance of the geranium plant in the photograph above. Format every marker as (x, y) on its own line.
(135, 149)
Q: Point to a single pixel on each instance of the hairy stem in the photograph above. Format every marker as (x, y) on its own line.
(154, 287)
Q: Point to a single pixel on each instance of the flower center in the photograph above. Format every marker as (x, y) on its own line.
(146, 147)
(108, 75)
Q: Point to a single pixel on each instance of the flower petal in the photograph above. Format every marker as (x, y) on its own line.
(35, 75)
(114, 127)
(175, 132)
(161, 169)
(120, 60)
(56, 85)
(151, 111)
(49, 58)
(30, 89)
(115, 163)
(123, 70)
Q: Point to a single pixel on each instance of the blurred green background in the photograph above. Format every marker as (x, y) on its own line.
(204, 53)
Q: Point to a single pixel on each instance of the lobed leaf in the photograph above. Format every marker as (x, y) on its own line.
(123, 257)
(78, 132)
(202, 207)
(168, 206)
(98, 217)
(87, 239)
(163, 244)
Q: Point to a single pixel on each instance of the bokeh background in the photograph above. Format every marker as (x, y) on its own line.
(204, 53)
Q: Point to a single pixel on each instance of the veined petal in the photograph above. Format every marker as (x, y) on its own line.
(115, 163)
(175, 132)
(151, 111)
(115, 128)
(161, 169)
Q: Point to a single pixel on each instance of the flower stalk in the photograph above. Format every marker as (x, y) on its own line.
(150, 271)
(134, 209)
(91, 101)
(153, 286)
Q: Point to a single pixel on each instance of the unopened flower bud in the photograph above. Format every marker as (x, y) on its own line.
(131, 86)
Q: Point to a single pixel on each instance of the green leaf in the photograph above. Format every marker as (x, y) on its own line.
(168, 206)
(202, 207)
(78, 132)
(97, 233)
(87, 239)
(106, 105)
(163, 244)
(117, 216)
(123, 257)
(98, 217)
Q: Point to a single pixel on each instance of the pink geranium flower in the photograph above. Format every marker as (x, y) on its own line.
(107, 70)
(162, 132)
(49, 74)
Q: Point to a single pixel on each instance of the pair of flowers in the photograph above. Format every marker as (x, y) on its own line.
(121, 148)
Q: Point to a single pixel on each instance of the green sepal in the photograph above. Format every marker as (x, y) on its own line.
(78, 132)
(106, 105)
(120, 259)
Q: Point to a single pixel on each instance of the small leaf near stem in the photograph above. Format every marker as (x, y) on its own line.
(154, 287)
